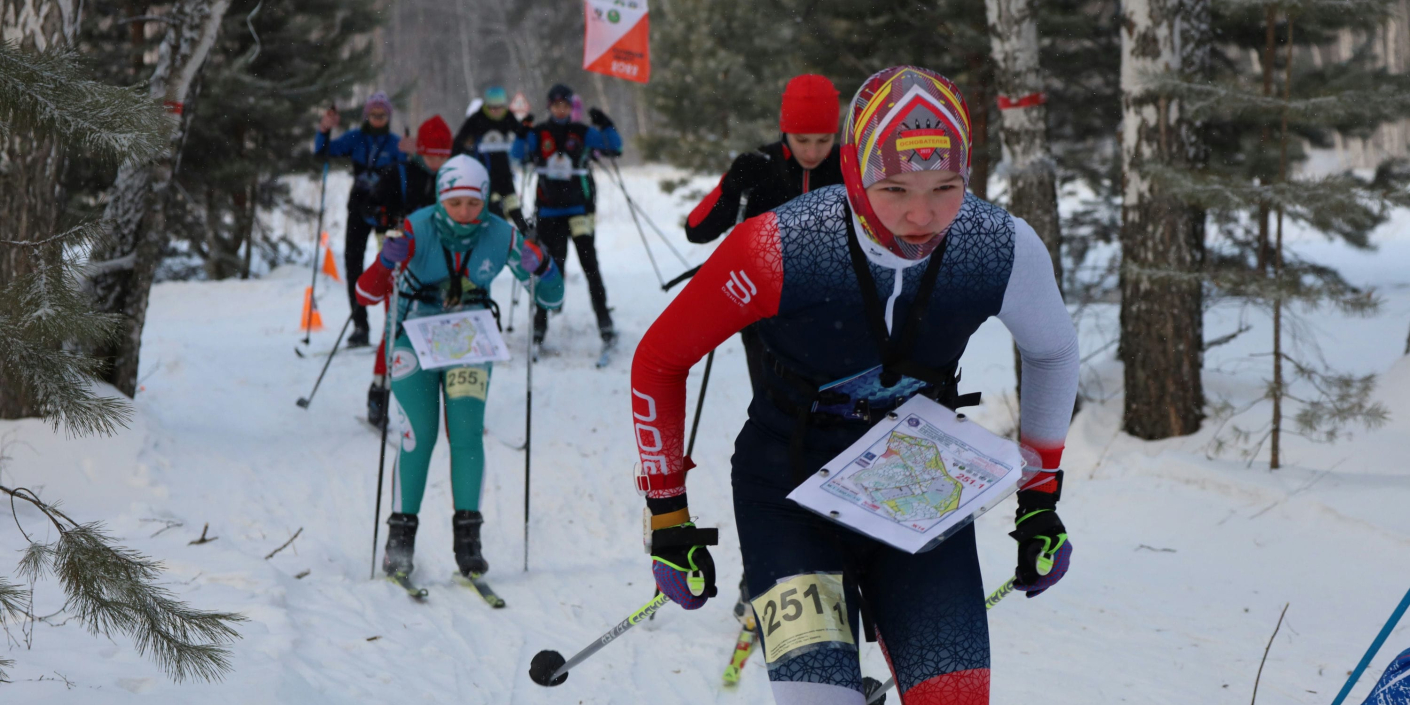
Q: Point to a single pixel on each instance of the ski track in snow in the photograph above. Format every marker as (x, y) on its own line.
(218, 440)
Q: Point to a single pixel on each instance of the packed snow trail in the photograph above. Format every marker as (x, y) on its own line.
(1181, 568)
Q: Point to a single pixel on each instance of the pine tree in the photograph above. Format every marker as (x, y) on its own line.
(50, 107)
(1259, 120)
(720, 67)
(254, 119)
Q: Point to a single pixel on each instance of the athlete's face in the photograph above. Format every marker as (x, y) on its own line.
(463, 209)
(378, 118)
(561, 109)
(496, 112)
(433, 162)
(811, 150)
(916, 206)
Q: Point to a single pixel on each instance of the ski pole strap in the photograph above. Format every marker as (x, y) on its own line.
(683, 537)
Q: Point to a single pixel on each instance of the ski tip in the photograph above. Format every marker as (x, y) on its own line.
(731, 675)
(544, 665)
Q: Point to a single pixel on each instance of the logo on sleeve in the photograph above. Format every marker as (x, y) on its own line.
(740, 288)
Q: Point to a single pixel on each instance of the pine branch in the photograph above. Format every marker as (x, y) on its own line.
(50, 95)
(1384, 99)
(1339, 204)
(113, 590)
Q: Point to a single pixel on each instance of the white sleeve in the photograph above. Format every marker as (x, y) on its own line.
(1035, 314)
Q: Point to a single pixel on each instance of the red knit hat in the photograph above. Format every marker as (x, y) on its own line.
(809, 106)
(433, 138)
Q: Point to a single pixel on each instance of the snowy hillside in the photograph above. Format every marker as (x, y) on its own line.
(1181, 563)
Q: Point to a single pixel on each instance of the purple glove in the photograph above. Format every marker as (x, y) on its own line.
(395, 250)
(531, 258)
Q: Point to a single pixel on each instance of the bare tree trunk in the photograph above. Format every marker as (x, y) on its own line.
(134, 205)
(1276, 440)
(30, 195)
(981, 94)
(1161, 238)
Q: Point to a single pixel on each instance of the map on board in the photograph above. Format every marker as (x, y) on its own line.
(462, 338)
(915, 478)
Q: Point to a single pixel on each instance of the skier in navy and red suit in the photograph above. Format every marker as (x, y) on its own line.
(805, 158)
(888, 275)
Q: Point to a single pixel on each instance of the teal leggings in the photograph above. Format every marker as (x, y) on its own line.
(418, 393)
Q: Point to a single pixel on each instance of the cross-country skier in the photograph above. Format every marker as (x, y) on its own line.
(803, 159)
(488, 134)
(896, 269)
(451, 252)
(433, 146)
(378, 171)
(566, 199)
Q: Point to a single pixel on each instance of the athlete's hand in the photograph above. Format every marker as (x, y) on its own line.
(599, 118)
(328, 121)
(531, 258)
(682, 564)
(396, 248)
(749, 170)
(1044, 550)
(527, 123)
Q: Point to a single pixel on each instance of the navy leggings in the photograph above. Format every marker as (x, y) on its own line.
(928, 609)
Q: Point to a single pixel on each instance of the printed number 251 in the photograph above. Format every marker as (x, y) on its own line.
(790, 608)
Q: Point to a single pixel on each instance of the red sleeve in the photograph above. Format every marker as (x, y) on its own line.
(741, 283)
(698, 215)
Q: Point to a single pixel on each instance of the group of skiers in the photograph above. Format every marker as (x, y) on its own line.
(448, 219)
(860, 255)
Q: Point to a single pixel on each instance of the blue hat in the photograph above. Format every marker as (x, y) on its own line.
(496, 97)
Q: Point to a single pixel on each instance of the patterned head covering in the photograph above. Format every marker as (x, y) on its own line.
(902, 119)
(461, 176)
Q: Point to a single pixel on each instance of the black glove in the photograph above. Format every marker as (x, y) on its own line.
(599, 119)
(526, 124)
(682, 565)
(1044, 550)
(749, 170)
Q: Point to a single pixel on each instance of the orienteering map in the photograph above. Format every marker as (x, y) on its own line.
(913, 480)
(463, 338)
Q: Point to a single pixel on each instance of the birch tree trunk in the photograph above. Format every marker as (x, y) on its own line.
(1162, 239)
(30, 169)
(128, 261)
(1013, 34)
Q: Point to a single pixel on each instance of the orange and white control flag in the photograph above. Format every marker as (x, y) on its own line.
(617, 41)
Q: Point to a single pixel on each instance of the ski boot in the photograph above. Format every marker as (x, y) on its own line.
(377, 398)
(401, 544)
(359, 337)
(743, 611)
(465, 527)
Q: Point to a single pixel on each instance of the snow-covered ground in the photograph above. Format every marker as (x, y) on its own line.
(1182, 563)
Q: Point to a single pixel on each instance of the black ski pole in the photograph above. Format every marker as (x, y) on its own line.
(687, 275)
(389, 337)
(303, 402)
(317, 234)
(548, 667)
(700, 403)
(529, 414)
(622, 184)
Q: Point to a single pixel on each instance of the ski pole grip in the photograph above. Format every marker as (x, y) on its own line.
(684, 537)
